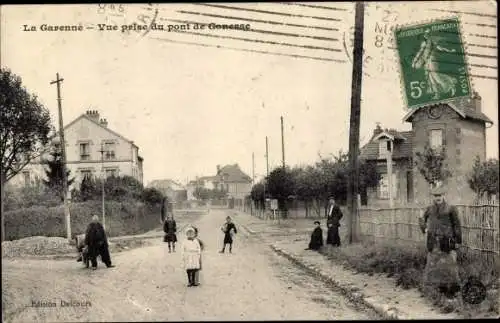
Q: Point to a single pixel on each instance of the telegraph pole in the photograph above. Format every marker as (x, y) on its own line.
(282, 143)
(63, 157)
(103, 205)
(357, 73)
(253, 169)
(267, 157)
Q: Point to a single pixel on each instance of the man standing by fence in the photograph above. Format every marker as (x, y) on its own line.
(442, 226)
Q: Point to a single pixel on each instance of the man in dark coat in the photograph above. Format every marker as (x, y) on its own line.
(97, 242)
(228, 228)
(316, 237)
(441, 224)
(334, 216)
(170, 228)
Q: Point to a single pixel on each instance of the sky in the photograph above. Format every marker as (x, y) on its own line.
(194, 99)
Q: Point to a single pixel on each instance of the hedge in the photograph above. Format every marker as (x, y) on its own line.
(122, 218)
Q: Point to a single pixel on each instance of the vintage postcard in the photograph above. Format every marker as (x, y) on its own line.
(224, 161)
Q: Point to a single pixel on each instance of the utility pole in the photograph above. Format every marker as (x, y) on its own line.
(267, 174)
(102, 187)
(357, 75)
(63, 157)
(267, 157)
(253, 169)
(282, 143)
(253, 183)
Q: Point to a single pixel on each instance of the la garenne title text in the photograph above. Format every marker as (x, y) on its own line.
(135, 27)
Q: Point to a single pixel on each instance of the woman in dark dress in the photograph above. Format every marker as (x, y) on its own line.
(170, 228)
(228, 228)
(316, 238)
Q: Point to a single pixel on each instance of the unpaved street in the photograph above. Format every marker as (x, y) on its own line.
(149, 284)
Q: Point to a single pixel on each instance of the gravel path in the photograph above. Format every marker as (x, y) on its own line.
(148, 283)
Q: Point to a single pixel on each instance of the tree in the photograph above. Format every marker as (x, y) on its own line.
(308, 184)
(24, 127)
(431, 163)
(368, 177)
(281, 185)
(334, 173)
(88, 189)
(483, 178)
(257, 194)
(152, 196)
(54, 173)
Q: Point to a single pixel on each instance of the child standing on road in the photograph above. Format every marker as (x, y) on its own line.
(229, 229)
(191, 255)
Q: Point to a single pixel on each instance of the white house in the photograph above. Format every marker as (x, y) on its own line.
(92, 149)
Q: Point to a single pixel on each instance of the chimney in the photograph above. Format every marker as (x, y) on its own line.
(377, 130)
(218, 169)
(94, 115)
(104, 122)
(476, 102)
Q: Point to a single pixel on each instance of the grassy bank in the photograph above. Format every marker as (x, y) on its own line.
(406, 264)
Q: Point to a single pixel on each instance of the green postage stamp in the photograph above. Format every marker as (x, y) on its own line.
(432, 60)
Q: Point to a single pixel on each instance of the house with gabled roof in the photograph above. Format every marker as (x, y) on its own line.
(92, 149)
(459, 126)
(233, 180)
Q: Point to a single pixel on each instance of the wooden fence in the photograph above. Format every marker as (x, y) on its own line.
(479, 222)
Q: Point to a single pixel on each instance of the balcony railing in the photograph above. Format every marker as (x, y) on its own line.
(109, 155)
(84, 156)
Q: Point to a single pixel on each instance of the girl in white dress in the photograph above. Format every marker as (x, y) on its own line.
(191, 255)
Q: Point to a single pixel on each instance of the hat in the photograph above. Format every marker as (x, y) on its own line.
(439, 190)
(190, 229)
(317, 222)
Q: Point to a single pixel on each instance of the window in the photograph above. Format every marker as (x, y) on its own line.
(384, 146)
(436, 138)
(86, 174)
(111, 172)
(26, 176)
(109, 150)
(84, 151)
(383, 188)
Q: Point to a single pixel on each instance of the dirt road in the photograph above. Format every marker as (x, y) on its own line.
(149, 284)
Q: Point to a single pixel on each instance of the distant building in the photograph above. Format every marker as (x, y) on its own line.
(85, 137)
(200, 182)
(229, 178)
(170, 188)
(459, 126)
(233, 180)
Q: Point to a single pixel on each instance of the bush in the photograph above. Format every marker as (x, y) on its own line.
(152, 196)
(122, 218)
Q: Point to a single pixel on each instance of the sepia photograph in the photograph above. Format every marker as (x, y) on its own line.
(256, 161)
